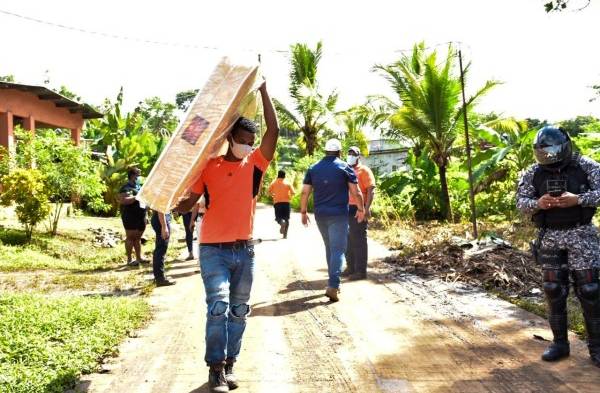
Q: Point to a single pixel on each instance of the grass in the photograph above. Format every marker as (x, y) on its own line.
(62, 308)
(71, 250)
(46, 342)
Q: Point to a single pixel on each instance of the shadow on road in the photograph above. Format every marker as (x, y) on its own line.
(201, 389)
(304, 285)
(288, 307)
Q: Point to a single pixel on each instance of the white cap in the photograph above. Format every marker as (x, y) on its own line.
(333, 145)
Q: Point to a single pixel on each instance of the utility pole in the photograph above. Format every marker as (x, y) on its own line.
(468, 143)
(260, 114)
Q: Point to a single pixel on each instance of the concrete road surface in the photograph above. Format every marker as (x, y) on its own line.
(387, 334)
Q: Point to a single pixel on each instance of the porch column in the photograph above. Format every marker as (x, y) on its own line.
(76, 135)
(29, 124)
(6, 130)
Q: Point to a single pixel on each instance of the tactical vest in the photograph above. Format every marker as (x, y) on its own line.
(571, 178)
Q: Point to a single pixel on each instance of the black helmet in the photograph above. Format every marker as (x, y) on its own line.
(552, 146)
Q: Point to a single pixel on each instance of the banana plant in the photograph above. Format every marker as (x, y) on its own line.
(124, 141)
(505, 149)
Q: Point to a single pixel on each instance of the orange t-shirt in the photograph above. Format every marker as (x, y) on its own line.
(230, 190)
(365, 178)
(281, 191)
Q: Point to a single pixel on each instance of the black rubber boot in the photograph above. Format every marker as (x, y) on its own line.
(556, 289)
(556, 351)
(232, 381)
(217, 383)
(587, 288)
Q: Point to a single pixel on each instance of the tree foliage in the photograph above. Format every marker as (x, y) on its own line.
(70, 174)
(561, 5)
(158, 116)
(504, 151)
(312, 110)
(577, 125)
(124, 140)
(353, 122)
(183, 99)
(428, 109)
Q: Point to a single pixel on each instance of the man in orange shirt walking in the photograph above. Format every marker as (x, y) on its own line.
(357, 253)
(230, 186)
(281, 192)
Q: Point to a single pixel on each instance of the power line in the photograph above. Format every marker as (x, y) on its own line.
(183, 44)
(111, 35)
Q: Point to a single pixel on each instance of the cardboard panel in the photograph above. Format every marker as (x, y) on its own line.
(229, 93)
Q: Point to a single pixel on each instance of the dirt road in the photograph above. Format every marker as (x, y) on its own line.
(387, 334)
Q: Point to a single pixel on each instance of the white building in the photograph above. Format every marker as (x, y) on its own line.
(386, 156)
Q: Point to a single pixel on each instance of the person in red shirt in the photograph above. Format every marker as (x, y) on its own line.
(357, 253)
(282, 192)
(230, 185)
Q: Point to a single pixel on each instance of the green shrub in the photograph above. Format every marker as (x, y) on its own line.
(27, 190)
(69, 171)
(416, 188)
(13, 237)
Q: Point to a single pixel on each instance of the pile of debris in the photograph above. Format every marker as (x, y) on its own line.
(491, 263)
(105, 238)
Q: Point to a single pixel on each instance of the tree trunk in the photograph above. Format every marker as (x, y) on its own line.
(55, 217)
(311, 143)
(446, 207)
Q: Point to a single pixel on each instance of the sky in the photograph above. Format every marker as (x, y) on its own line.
(547, 62)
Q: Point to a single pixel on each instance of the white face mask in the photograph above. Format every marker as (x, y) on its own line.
(352, 160)
(240, 150)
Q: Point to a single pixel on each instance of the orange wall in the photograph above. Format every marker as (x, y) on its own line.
(24, 104)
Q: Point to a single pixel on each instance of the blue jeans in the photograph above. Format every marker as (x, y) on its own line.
(227, 275)
(334, 230)
(160, 247)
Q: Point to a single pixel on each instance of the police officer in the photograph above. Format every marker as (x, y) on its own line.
(561, 193)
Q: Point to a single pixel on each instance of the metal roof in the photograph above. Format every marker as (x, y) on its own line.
(45, 94)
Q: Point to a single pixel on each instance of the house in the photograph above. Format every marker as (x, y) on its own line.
(39, 107)
(386, 156)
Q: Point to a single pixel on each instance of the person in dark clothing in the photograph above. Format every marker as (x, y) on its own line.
(133, 216)
(161, 223)
(189, 222)
(357, 254)
(561, 193)
(332, 181)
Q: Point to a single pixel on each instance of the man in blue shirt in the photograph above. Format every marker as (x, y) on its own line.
(332, 180)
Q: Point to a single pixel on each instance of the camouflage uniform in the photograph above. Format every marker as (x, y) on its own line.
(581, 246)
(583, 242)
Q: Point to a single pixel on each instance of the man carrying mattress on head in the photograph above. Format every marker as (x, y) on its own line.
(230, 185)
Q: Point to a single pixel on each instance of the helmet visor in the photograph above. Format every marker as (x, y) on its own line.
(547, 155)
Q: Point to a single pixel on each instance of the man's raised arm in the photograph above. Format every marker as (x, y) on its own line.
(269, 140)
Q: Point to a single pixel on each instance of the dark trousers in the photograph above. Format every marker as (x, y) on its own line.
(357, 252)
(160, 247)
(189, 234)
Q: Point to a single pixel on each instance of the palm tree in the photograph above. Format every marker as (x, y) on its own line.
(312, 110)
(353, 122)
(430, 111)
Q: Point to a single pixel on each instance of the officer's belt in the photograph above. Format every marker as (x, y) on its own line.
(565, 226)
